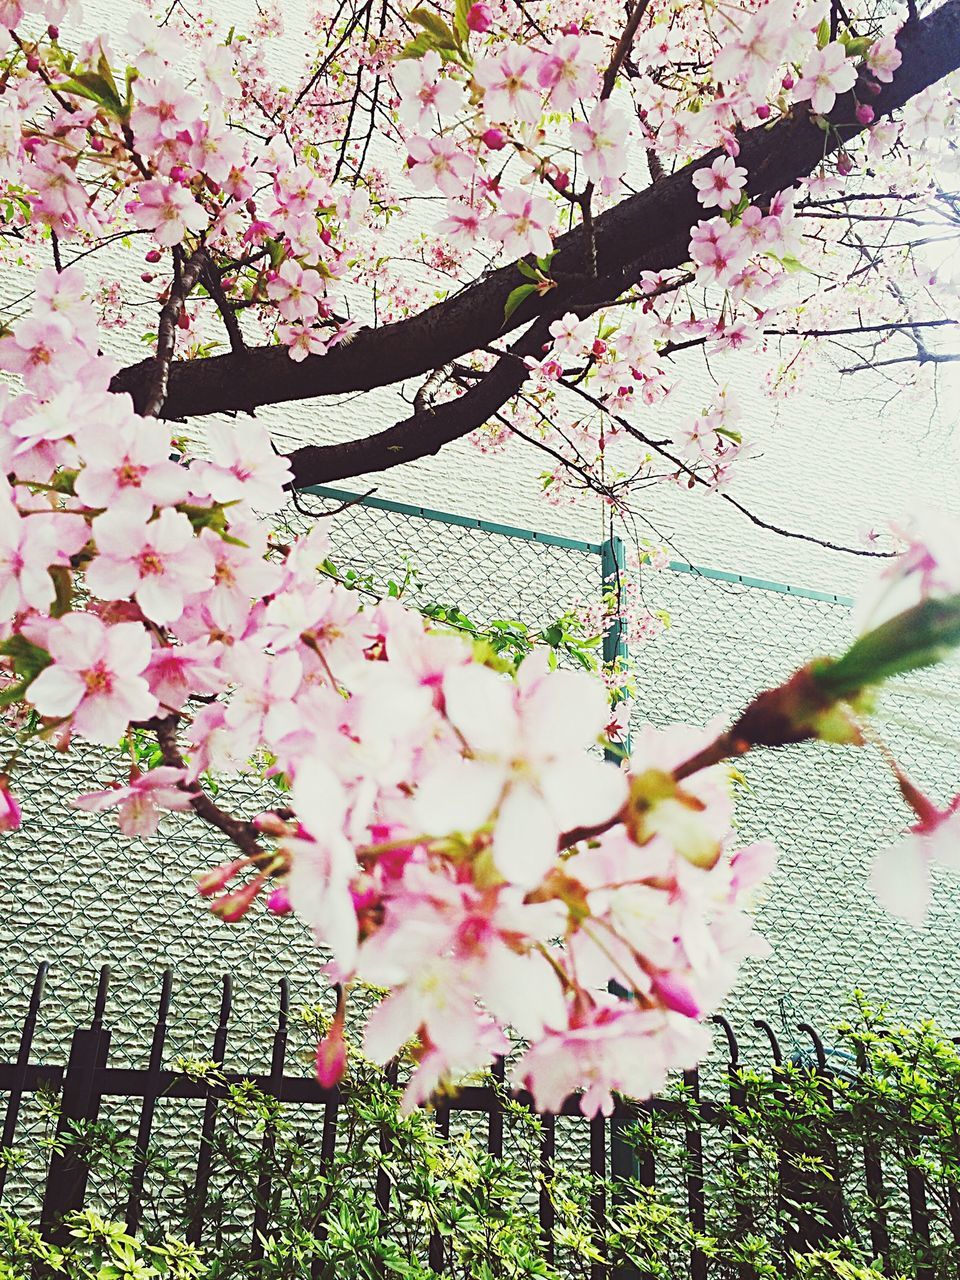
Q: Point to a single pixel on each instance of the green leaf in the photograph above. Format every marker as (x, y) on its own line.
(823, 33)
(461, 9)
(516, 297)
(418, 46)
(443, 37)
(527, 271)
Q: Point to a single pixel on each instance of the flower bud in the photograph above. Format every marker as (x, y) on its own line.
(788, 81)
(53, 31)
(234, 906)
(844, 164)
(153, 255)
(763, 111)
(865, 113)
(10, 816)
(213, 881)
(147, 276)
(331, 1057)
(494, 139)
(480, 17)
(33, 62)
(96, 143)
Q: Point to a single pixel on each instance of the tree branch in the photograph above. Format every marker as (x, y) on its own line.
(646, 231)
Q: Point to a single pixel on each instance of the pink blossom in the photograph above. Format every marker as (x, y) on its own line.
(528, 765)
(243, 466)
(480, 17)
(95, 678)
(29, 546)
(128, 459)
(302, 340)
(601, 142)
(168, 210)
(883, 58)
(718, 251)
(424, 93)
(140, 802)
(569, 70)
(461, 226)
(827, 72)
(720, 184)
(297, 293)
(509, 81)
(44, 350)
(160, 563)
(522, 223)
(900, 877)
(439, 162)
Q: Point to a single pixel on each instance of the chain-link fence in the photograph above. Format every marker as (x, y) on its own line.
(80, 895)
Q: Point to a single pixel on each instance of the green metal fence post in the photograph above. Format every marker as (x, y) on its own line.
(624, 1160)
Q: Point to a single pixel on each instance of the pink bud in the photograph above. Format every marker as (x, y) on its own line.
(788, 81)
(146, 276)
(480, 17)
(278, 901)
(865, 113)
(213, 881)
(763, 111)
(178, 173)
(562, 181)
(844, 164)
(251, 208)
(183, 320)
(599, 347)
(10, 815)
(33, 62)
(571, 29)
(494, 139)
(331, 1058)
(326, 235)
(234, 906)
(152, 255)
(53, 32)
(96, 142)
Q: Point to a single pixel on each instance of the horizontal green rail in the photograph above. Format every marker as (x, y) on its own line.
(568, 544)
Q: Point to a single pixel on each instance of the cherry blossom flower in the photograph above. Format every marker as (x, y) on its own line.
(720, 184)
(827, 72)
(439, 162)
(526, 764)
(159, 563)
(128, 461)
(900, 876)
(142, 801)
(297, 293)
(424, 93)
(522, 223)
(243, 467)
(10, 813)
(168, 210)
(601, 142)
(96, 677)
(883, 58)
(509, 81)
(569, 71)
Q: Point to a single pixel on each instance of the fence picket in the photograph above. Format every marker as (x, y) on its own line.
(23, 1061)
(151, 1091)
(201, 1183)
(79, 1104)
(269, 1142)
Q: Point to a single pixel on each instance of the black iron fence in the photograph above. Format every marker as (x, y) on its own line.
(814, 1208)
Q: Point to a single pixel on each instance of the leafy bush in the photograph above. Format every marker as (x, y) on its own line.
(782, 1163)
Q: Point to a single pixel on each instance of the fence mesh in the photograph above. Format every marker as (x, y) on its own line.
(79, 895)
